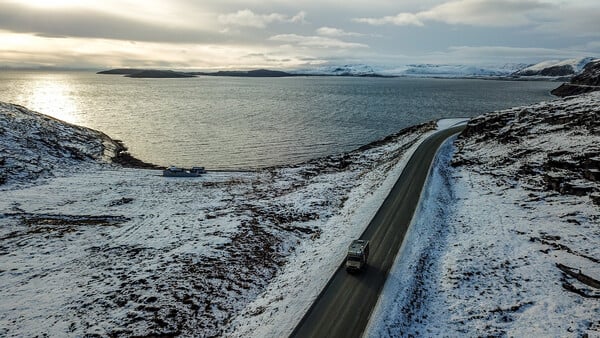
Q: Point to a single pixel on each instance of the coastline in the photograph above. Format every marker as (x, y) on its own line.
(125, 159)
(216, 240)
(167, 248)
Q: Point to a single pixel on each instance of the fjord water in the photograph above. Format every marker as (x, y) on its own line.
(239, 123)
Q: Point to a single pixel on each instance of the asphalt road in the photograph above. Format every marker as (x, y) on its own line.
(344, 306)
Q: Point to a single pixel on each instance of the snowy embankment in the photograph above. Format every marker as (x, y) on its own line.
(507, 240)
(92, 248)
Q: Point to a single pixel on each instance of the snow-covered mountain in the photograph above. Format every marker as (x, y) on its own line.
(586, 81)
(550, 68)
(556, 68)
(339, 70)
(437, 70)
(415, 70)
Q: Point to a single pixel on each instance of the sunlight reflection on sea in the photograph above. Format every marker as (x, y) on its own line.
(222, 122)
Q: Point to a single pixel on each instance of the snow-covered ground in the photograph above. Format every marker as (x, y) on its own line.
(506, 242)
(92, 248)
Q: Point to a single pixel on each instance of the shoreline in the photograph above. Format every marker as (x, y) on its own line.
(216, 241)
(163, 256)
(125, 159)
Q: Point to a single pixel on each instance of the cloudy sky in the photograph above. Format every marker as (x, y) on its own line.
(209, 34)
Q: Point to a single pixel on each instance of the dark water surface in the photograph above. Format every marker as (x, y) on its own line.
(223, 122)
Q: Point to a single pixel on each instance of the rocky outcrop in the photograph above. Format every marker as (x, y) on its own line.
(590, 75)
(587, 81)
(553, 146)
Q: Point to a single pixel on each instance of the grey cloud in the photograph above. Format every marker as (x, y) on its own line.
(577, 21)
(311, 31)
(248, 18)
(401, 19)
(490, 13)
(499, 54)
(91, 24)
(316, 41)
(335, 32)
(52, 36)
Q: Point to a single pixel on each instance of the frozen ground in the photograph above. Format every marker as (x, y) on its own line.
(507, 240)
(505, 243)
(90, 248)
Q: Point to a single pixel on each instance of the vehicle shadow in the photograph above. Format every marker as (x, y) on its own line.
(372, 277)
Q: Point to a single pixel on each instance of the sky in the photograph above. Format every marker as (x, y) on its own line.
(285, 34)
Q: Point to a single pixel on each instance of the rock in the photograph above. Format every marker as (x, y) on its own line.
(552, 146)
(595, 197)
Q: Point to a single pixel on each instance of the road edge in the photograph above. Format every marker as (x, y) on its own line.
(378, 304)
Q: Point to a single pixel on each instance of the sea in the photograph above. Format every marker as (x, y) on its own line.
(247, 123)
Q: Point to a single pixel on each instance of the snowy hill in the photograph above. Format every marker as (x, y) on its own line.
(506, 240)
(556, 68)
(34, 145)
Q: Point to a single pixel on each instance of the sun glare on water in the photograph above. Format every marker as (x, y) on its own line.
(53, 98)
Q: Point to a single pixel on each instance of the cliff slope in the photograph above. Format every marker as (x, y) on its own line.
(587, 81)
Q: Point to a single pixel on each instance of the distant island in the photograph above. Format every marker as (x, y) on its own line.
(248, 73)
(146, 73)
(156, 73)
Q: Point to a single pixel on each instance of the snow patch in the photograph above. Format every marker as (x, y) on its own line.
(449, 123)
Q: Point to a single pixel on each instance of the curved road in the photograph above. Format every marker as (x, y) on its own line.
(345, 304)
